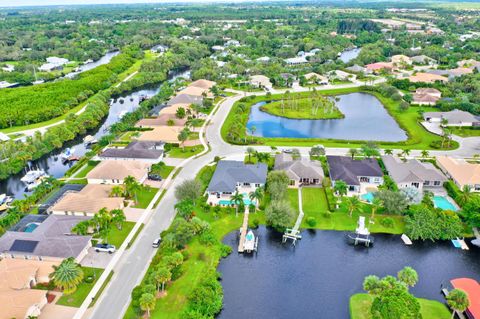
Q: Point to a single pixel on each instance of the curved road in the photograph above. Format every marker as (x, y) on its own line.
(132, 265)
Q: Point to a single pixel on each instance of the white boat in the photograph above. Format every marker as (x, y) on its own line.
(33, 178)
(122, 114)
(406, 240)
(249, 244)
(67, 154)
(5, 199)
(89, 140)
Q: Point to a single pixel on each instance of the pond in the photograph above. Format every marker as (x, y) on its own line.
(52, 163)
(316, 278)
(348, 55)
(365, 119)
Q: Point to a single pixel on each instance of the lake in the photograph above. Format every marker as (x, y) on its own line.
(365, 119)
(348, 55)
(316, 278)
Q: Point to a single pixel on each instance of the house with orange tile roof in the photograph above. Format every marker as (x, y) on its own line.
(427, 78)
(461, 172)
(113, 172)
(472, 288)
(379, 67)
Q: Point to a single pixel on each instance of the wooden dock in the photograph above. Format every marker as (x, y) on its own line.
(294, 233)
(243, 232)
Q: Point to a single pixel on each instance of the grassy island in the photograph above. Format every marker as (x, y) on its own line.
(306, 108)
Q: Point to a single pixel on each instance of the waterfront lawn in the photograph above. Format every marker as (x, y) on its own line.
(301, 110)
(189, 151)
(76, 299)
(90, 165)
(418, 137)
(117, 236)
(430, 309)
(145, 196)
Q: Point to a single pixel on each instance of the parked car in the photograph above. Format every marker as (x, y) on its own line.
(154, 177)
(106, 248)
(156, 242)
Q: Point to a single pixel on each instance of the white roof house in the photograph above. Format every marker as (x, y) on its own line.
(454, 118)
(260, 81)
(264, 59)
(57, 61)
(296, 60)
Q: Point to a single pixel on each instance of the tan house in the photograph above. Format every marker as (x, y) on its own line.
(429, 91)
(426, 96)
(461, 172)
(17, 277)
(87, 202)
(260, 81)
(316, 78)
(114, 172)
(427, 78)
(204, 84)
(161, 120)
(172, 109)
(167, 134)
(401, 60)
(300, 172)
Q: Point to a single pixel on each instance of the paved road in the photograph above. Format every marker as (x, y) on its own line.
(133, 264)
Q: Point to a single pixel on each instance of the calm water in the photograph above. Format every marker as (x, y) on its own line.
(316, 278)
(85, 67)
(53, 165)
(365, 119)
(348, 55)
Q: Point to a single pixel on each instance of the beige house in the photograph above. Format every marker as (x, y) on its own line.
(17, 277)
(87, 202)
(115, 171)
(300, 172)
(204, 84)
(461, 172)
(427, 78)
(167, 134)
(313, 77)
(172, 109)
(161, 120)
(401, 60)
(260, 81)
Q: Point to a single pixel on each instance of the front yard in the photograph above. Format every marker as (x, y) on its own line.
(185, 152)
(76, 299)
(145, 196)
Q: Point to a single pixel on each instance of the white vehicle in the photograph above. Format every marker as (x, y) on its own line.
(105, 248)
(156, 242)
(33, 178)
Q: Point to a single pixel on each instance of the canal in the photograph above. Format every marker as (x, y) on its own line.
(348, 55)
(316, 278)
(53, 165)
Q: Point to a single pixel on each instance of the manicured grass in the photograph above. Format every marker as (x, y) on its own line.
(163, 171)
(430, 309)
(302, 109)
(90, 165)
(314, 204)
(145, 196)
(102, 288)
(418, 136)
(116, 236)
(254, 160)
(189, 151)
(465, 131)
(76, 299)
(127, 137)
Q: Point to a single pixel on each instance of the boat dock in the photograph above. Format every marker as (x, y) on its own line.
(245, 245)
(294, 233)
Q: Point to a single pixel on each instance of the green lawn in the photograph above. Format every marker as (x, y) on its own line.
(301, 109)
(116, 236)
(163, 171)
(418, 136)
(189, 151)
(76, 299)
(430, 309)
(465, 131)
(145, 196)
(90, 165)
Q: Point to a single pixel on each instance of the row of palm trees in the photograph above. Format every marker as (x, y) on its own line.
(238, 199)
(404, 153)
(101, 223)
(129, 189)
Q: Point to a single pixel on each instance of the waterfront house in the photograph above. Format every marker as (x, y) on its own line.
(17, 278)
(426, 96)
(235, 176)
(379, 67)
(113, 172)
(203, 84)
(472, 288)
(401, 60)
(453, 118)
(260, 81)
(161, 120)
(461, 172)
(166, 134)
(87, 202)
(196, 91)
(356, 69)
(421, 77)
(150, 152)
(300, 171)
(413, 173)
(361, 175)
(46, 239)
(185, 99)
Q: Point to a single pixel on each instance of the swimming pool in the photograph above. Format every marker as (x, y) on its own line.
(443, 203)
(228, 202)
(367, 197)
(30, 227)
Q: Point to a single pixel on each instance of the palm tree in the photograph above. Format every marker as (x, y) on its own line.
(353, 203)
(118, 217)
(340, 188)
(464, 195)
(408, 276)
(388, 151)
(81, 228)
(237, 199)
(256, 196)
(131, 187)
(116, 191)
(425, 154)
(375, 205)
(457, 299)
(183, 136)
(162, 275)
(147, 303)
(406, 152)
(353, 152)
(250, 151)
(67, 276)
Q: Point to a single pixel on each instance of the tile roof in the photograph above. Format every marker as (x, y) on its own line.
(204, 84)
(297, 169)
(161, 120)
(411, 170)
(348, 170)
(136, 149)
(427, 78)
(167, 134)
(185, 99)
(117, 169)
(229, 173)
(462, 172)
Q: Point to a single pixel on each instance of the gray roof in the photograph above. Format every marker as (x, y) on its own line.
(185, 99)
(52, 238)
(229, 173)
(411, 170)
(297, 169)
(136, 149)
(348, 170)
(453, 117)
(356, 68)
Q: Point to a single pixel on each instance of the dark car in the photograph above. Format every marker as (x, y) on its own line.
(154, 177)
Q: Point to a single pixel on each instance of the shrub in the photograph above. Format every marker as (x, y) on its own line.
(311, 221)
(387, 222)
(225, 250)
(255, 223)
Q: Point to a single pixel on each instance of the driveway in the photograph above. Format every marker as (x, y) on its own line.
(96, 260)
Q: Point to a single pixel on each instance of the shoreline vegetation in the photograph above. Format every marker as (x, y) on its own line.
(234, 130)
(316, 107)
